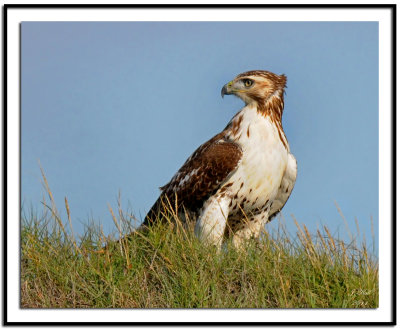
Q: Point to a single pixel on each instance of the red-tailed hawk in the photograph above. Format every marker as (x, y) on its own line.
(241, 178)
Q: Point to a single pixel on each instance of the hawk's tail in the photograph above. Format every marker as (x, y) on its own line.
(154, 214)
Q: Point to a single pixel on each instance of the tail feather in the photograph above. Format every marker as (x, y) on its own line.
(154, 214)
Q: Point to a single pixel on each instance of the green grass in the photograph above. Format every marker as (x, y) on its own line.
(167, 267)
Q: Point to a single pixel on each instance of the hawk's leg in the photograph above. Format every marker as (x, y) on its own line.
(211, 223)
(251, 229)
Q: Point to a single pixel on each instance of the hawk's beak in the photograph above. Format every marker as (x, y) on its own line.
(226, 90)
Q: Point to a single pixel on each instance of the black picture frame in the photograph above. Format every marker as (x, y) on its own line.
(6, 10)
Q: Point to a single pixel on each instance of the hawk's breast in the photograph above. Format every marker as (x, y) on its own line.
(259, 175)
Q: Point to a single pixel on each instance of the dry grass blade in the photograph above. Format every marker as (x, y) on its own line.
(48, 190)
(344, 220)
(71, 228)
(331, 240)
(122, 242)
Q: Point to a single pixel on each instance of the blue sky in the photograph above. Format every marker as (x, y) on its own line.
(118, 107)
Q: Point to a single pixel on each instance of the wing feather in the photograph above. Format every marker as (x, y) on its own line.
(200, 176)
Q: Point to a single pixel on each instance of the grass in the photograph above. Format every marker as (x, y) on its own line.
(167, 267)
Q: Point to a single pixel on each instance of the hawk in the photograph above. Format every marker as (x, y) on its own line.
(241, 178)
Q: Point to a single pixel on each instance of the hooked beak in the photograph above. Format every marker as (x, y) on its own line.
(226, 90)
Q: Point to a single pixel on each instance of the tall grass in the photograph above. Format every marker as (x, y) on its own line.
(167, 267)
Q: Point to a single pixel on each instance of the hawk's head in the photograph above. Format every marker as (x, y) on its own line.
(255, 86)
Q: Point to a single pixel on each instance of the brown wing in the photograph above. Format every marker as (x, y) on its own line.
(201, 175)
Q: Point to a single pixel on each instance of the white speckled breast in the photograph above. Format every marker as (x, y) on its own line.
(258, 178)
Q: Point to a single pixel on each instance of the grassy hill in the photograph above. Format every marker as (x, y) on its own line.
(167, 267)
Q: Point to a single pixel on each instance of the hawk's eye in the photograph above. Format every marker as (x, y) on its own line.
(247, 82)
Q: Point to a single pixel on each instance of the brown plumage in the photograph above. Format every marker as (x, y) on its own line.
(204, 171)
